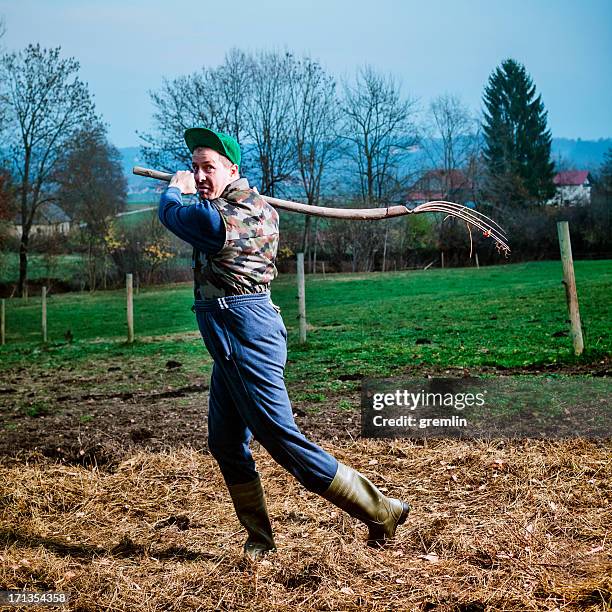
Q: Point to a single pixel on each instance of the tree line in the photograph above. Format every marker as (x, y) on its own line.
(305, 135)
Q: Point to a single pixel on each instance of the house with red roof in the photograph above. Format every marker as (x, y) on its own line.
(441, 185)
(573, 187)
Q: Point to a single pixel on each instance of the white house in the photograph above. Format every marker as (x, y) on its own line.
(573, 188)
(50, 220)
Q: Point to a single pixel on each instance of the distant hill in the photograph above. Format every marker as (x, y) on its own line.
(140, 189)
(580, 154)
(566, 152)
(131, 157)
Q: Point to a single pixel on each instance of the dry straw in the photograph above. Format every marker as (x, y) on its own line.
(495, 526)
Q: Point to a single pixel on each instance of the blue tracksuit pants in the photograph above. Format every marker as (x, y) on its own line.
(247, 340)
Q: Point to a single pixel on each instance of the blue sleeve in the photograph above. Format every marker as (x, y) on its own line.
(198, 224)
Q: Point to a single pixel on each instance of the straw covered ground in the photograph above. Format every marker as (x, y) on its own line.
(495, 525)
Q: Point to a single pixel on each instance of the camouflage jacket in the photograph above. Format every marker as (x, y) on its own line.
(245, 263)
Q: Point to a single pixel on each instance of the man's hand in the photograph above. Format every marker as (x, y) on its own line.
(184, 180)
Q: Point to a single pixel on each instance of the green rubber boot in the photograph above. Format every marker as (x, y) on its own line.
(355, 494)
(250, 506)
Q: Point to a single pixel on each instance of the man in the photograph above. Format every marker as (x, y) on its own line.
(234, 232)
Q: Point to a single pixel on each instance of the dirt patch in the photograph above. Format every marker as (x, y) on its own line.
(98, 418)
(104, 433)
(599, 368)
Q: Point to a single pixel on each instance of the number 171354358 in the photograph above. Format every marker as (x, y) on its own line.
(32, 598)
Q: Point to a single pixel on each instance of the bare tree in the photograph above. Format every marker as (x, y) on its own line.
(175, 110)
(7, 192)
(212, 97)
(251, 97)
(268, 117)
(46, 104)
(314, 112)
(7, 195)
(453, 149)
(379, 126)
(455, 138)
(7, 208)
(232, 92)
(2, 99)
(92, 190)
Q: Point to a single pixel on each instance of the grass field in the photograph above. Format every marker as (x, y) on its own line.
(62, 267)
(65, 268)
(370, 324)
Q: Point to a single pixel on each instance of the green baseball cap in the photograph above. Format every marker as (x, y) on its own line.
(218, 141)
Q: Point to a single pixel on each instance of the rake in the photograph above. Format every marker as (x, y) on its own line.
(472, 218)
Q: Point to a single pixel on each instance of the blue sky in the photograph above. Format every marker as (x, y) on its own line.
(435, 46)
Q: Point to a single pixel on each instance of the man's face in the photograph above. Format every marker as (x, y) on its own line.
(212, 172)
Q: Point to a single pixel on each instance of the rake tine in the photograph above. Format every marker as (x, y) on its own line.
(467, 210)
(484, 226)
(462, 213)
(471, 210)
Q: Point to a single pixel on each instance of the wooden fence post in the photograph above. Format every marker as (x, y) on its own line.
(569, 281)
(129, 285)
(301, 297)
(44, 313)
(2, 321)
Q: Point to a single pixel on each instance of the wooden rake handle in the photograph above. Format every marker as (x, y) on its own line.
(306, 209)
(471, 217)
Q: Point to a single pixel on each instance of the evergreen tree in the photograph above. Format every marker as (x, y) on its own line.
(605, 173)
(517, 141)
